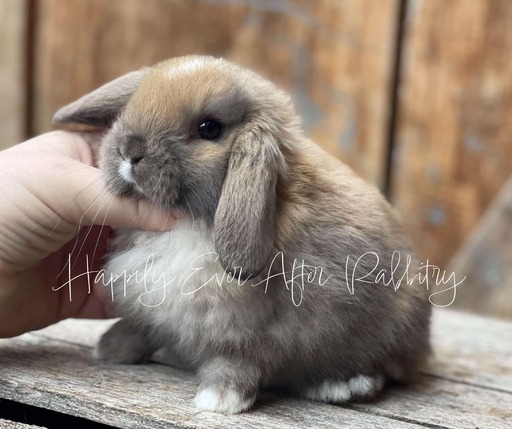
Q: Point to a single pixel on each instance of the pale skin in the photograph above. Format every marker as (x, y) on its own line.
(50, 191)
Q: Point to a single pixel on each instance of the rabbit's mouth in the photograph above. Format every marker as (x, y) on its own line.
(144, 185)
(125, 171)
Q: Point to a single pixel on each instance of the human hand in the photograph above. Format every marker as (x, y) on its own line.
(52, 201)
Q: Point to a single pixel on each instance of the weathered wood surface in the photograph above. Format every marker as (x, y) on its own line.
(12, 67)
(452, 151)
(7, 424)
(334, 57)
(467, 385)
(486, 261)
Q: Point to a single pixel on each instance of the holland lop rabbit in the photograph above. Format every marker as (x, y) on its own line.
(283, 269)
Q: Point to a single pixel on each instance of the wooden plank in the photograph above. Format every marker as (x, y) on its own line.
(12, 61)
(444, 404)
(467, 385)
(334, 57)
(485, 260)
(453, 150)
(472, 350)
(8, 424)
(62, 377)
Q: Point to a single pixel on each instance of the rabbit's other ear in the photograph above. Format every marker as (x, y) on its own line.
(244, 220)
(102, 106)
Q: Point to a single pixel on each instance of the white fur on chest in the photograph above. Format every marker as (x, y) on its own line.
(174, 282)
(154, 272)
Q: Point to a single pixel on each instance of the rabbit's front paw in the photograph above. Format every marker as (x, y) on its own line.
(227, 386)
(123, 344)
(222, 399)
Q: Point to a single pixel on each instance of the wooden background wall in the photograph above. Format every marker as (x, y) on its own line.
(415, 95)
(13, 16)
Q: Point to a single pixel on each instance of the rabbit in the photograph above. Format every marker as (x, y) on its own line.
(284, 271)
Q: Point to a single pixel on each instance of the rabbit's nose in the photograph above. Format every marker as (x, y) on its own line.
(133, 149)
(136, 159)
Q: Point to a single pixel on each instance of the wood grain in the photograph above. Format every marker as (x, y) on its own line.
(468, 384)
(335, 58)
(63, 377)
(8, 424)
(453, 150)
(12, 68)
(485, 259)
(472, 350)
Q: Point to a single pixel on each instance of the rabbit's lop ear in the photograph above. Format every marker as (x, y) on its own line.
(102, 106)
(244, 220)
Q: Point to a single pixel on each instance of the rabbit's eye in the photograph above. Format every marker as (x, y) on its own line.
(210, 129)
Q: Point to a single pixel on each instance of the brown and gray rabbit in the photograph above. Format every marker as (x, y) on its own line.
(284, 271)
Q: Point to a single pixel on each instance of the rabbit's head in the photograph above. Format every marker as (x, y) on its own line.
(202, 135)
